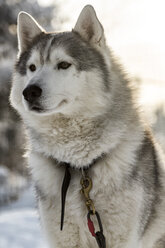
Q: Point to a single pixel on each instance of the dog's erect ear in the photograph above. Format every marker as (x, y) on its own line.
(27, 29)
(89, 27)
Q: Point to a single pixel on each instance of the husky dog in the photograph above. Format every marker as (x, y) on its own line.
(78, 107)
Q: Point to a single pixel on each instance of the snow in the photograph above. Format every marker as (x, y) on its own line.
(133, 29)
(11, 184)
(19, 224)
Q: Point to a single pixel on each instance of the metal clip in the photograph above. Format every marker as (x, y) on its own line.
(86, 183)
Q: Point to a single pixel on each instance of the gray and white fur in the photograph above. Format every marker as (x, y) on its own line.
(77, 104)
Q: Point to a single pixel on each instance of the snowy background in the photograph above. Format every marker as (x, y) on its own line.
(19, 223)
(135, 31)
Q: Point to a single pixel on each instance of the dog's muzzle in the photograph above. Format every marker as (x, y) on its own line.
(32, 94)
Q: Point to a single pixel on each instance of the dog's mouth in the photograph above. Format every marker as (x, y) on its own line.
(37, 108)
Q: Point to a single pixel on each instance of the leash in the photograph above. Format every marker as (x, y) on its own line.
(86, 183)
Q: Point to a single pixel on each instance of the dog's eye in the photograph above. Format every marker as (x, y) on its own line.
(32, 67)
(63, 65)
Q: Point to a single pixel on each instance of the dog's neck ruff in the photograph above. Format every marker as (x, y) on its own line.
(83, 167)
(86, 184)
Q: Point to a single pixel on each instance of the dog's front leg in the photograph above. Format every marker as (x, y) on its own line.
(48, 177)
(50, 218)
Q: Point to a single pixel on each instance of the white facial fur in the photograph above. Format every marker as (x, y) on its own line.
(64, 91)
(67, 91)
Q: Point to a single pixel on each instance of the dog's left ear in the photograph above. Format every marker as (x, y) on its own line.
(89, 27)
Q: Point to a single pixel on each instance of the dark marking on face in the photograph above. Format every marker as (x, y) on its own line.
(85, 56)
(20, 65)
(39, 42)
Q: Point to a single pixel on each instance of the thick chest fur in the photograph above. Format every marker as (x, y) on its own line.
(76, 141)
(127, 192)
(117, 202)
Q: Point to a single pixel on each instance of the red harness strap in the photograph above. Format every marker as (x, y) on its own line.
(99, 236)
(91, 227)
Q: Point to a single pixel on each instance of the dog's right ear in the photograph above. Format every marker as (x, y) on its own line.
(89, 27)
(27, 29)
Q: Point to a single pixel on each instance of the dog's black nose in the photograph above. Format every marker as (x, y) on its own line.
(32, 93)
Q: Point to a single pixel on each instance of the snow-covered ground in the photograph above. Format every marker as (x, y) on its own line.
(19, 224)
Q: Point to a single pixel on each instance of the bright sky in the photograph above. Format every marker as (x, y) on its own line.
(134, 29)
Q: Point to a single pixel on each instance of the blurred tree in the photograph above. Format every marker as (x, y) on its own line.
(12, 138)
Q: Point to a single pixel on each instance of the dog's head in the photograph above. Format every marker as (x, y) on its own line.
(65, 72)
